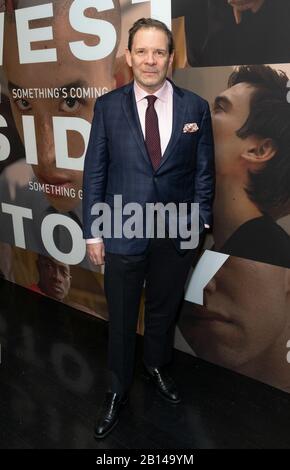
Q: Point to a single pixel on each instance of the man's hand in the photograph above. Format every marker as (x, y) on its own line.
(96, 253)
(242, 5)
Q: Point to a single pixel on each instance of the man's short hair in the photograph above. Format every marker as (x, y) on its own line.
(269, 117)
(147, 23)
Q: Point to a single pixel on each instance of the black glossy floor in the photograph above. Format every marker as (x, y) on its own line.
(52, 381)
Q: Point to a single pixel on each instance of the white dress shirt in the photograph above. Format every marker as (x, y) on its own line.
(164, 109)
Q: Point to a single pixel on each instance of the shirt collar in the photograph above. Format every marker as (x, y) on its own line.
(162, 93)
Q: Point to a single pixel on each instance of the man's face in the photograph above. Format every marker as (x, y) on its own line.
(54, 277)
(149, 58)
(230, 112)
(68, 70)
(246, 312)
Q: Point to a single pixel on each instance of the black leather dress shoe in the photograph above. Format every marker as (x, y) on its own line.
(109, 414)
(163, 382)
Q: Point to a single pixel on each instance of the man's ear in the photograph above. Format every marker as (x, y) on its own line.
(128, 57)
(287, 281)
(171, 59)
(259, 150)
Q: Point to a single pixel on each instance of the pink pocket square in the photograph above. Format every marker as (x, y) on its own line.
(190, 127)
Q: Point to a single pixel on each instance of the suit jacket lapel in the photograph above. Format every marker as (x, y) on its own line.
(179, 110)
(131, 112)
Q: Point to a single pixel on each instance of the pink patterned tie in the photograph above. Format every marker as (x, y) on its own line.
(152, 136)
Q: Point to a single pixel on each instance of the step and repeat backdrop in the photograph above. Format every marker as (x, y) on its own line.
(56, 58)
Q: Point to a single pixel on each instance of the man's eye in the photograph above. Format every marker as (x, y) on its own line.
(70, 105)
(22, 105)
(218, 107)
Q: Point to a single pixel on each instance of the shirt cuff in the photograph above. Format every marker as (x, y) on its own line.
(91, 241)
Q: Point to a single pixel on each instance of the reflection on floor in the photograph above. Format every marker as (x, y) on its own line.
(52, 379)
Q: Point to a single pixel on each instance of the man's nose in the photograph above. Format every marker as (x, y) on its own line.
(150, 58)
(210, 288)
(45, 143)
(57, 275)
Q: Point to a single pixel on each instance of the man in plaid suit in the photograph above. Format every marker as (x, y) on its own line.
(151, 142)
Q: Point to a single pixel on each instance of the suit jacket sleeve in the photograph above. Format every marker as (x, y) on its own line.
(95, 169)
(205, 169)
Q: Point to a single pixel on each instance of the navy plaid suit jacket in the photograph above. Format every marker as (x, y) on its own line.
(117, 162)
